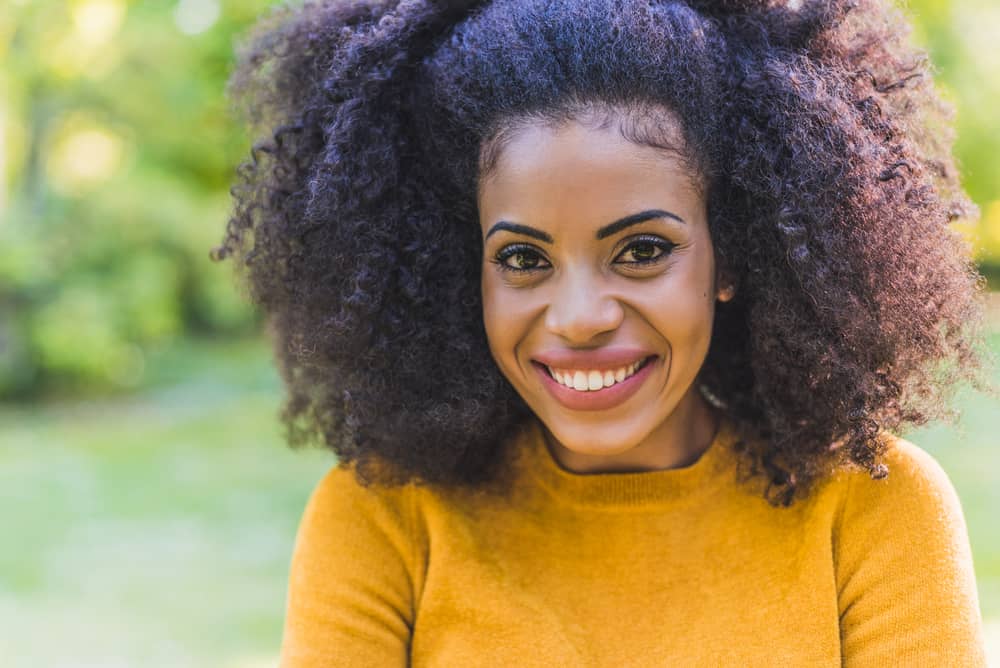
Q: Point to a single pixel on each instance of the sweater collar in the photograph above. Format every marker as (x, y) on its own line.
(635, 489)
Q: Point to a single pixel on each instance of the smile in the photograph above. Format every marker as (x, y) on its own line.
(593, 380)
(595, 389)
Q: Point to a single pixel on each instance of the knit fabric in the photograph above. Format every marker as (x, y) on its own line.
(680, 567)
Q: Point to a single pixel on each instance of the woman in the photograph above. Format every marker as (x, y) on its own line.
(608, 309)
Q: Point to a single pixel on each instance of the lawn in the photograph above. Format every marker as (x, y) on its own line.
(155, 530)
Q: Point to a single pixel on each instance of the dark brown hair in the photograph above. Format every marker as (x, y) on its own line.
(830, 185)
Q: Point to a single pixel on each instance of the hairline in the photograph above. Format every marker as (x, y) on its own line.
(645, 123)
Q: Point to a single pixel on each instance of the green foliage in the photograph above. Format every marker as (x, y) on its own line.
(961, 38)
(117, 150)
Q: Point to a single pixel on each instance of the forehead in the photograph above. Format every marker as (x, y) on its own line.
(577, 169)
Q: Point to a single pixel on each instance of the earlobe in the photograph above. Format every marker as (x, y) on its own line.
(725, 284)
(726, 292)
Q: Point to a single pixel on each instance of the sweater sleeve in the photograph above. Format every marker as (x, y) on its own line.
(350, 591)
(906, 586)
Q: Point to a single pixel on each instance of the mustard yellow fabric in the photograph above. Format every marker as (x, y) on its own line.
(682, 567)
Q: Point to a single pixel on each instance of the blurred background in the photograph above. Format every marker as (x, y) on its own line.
(149, 504)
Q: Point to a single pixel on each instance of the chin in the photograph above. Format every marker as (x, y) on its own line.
(596, 439)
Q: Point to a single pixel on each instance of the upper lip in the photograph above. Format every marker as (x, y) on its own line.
(597, 358)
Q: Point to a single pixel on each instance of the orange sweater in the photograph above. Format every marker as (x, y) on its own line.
(677, 567)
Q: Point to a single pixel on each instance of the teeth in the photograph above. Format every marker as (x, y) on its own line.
(591, 380)
(595, 380)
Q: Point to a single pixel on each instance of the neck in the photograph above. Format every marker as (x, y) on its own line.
(677, 442)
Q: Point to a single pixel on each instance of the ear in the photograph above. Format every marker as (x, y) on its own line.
(725, 286)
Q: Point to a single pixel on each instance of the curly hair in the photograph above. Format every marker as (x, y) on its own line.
(826, 156)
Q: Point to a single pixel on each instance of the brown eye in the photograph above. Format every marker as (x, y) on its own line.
(645, 250)
(520, 258)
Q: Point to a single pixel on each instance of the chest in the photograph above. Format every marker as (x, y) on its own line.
(627, 589)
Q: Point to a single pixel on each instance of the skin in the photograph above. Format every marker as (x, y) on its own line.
(583, 293)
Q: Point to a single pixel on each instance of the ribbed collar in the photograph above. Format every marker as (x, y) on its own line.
(653, 489)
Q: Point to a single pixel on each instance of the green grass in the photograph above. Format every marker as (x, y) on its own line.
(156, 529)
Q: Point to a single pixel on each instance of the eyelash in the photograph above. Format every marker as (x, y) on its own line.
(657, 242)
(507, 252)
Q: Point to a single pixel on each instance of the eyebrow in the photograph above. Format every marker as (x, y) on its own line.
(517, 228)
(635, 219)
(602, 233)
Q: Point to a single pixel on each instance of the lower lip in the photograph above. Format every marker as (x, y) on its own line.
(597, 400)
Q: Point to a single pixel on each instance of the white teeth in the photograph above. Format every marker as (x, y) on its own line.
(592, 380)
(595, 380)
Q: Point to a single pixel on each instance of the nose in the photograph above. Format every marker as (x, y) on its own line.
(581, 310)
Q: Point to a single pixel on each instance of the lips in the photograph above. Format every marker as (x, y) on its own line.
(594, 380)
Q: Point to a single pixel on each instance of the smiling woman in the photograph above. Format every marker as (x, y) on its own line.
(610, 309)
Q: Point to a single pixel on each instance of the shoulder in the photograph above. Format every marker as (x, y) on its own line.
(339, 491)
(341, 484)
(916, 484)
(903, 528)
(915, 503)
(341, 510)
(905, 580)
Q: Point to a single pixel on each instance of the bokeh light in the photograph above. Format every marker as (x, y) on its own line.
(196, 16)
(83, 154)
(95, 22)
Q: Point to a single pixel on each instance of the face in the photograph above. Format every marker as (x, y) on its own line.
(599, 287)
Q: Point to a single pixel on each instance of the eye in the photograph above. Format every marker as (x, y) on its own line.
(520, 257)
(645, 249)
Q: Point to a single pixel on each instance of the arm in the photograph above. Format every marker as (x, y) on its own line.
(350, 600)
(906, 587)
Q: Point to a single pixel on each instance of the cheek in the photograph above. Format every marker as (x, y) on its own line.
(681, 309)
(505, 317)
